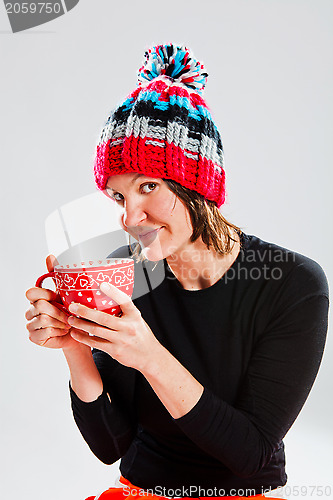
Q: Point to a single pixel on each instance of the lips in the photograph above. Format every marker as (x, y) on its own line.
(149, 232)
(149, 235)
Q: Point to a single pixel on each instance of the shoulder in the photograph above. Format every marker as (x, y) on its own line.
(296, 270)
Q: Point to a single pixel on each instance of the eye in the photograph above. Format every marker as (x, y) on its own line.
(150, 185)
(117, 196)
(114, 195)
(145, 188)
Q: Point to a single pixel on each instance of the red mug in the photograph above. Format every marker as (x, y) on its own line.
(81, 282)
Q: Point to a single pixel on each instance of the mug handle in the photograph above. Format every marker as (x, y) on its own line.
(39, 283)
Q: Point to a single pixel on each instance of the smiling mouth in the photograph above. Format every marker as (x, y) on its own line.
(150, 235)
(149, 232)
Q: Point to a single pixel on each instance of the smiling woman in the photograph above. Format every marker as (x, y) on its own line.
(148, 208)
(155, 213)
(198, 381)
(206, 221)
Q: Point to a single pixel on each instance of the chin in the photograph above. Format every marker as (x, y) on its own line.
(153, 254)
(155, 251)
(152, 249)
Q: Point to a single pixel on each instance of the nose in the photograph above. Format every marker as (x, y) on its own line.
(133, 214)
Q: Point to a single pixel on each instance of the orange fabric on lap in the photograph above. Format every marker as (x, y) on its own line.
(132, 492)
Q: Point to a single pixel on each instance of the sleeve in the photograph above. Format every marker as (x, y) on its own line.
(282, 369)
(108, 424)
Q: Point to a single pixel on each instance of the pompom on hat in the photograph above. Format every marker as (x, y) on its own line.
(164, 128)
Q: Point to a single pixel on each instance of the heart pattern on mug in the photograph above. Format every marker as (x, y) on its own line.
(81, 284)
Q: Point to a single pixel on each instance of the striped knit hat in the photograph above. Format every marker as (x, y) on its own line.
(164, 128)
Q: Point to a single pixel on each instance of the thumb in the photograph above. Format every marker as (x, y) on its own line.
(51, 261)
(118, 296)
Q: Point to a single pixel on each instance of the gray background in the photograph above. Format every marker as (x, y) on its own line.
(270, 66)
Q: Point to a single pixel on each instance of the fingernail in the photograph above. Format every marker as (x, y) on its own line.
(105, 286)
(73, 308)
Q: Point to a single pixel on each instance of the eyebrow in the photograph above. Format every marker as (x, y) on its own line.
(132, 181)
(136, 177)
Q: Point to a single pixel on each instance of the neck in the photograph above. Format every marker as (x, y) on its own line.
(197, 268)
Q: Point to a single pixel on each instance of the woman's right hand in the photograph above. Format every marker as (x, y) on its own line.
(47, 324)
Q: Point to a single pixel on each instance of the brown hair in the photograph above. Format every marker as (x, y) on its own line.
(207, 221)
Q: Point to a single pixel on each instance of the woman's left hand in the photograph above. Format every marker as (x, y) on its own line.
(128, 338)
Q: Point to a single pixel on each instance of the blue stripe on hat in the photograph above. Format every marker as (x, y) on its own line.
(128, 104)
(181, 101)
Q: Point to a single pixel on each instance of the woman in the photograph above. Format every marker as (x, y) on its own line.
(196, 384)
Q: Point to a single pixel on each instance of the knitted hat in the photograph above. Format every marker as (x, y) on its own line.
(164, 128)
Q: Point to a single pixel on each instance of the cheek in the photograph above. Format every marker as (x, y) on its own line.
(163, 207)
(169, 207)
(183, 218)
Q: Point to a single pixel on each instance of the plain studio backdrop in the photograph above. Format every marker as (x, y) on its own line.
(269, 89)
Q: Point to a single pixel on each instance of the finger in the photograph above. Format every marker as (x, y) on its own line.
(93, 342)
(44, 307)
(53, 342)
(122, 299)
(93, 329)
(35, 293)
(41, 336)
(99, 317)
(31, 313)
(51, 261)
(45, 321)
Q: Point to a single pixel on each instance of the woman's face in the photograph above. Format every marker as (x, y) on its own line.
(152, 214)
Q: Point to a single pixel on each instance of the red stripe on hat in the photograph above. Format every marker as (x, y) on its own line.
(168, 162)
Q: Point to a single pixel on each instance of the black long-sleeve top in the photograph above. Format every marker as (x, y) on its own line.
(254, 340)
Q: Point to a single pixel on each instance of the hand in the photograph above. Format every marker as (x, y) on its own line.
(128, 338)
(48, 325)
